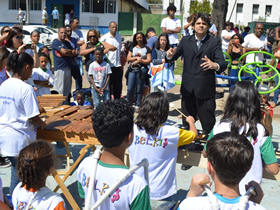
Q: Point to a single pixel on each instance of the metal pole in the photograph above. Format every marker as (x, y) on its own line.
(27, 13)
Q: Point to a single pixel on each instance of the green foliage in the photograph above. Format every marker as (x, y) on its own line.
(154, 1)
(200, 7)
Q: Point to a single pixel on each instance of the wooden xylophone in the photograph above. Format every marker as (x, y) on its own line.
(50, 101)
(69, 124)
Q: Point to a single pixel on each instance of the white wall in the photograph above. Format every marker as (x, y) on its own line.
(247, 14)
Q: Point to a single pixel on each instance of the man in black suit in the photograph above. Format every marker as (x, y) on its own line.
(203, 58)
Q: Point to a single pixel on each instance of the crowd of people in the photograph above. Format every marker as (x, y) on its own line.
(237, 146)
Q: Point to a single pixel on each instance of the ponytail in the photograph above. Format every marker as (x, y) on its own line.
(16, 62)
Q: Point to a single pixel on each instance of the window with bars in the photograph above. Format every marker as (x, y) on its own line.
(255, 9)
(33, 4)
(239, 8)
(99, 6)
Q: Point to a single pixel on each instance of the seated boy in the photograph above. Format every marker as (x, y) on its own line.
(80, 100)
(230, 157)
(113, 126)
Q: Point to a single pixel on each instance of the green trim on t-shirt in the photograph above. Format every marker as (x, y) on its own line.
(111, 165)
(211, 134)
(81, 190)
(142, 200)
(267, 152)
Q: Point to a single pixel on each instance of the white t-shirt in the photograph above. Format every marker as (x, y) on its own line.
(18, 104)
(252, 41)
(99, 73)
(262, 142)
(44, 14)
(41, 199)
(207, 203)
(171, 24)
(224, 41)
(161, 152)
(113, 56)
(41, 75)
(133, 193)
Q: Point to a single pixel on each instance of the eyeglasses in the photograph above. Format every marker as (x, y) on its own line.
(20, 37)
(92, 37)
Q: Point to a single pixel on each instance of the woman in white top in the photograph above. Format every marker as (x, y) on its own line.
(226, 35)
(19, 111)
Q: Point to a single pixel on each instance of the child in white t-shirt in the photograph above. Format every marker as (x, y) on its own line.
(35, 163)
(243, 115)
(159, 144)
(113, 125)
(19, 111)
(99, 74)
(42, 76)
(229, 159)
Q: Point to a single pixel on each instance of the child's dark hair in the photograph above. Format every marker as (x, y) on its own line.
(40, 51)
(4, 53)
(239, 37)
(41, 54)
(243, 109)
(99, 49)
(231, 156)
(153, 112)
(35, 162)
(112, 122)
(167, 42)
(17, 61)
(78, 92)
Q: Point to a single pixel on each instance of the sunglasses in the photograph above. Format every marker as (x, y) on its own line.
(20, 37)
(6, 31)
(92, 37)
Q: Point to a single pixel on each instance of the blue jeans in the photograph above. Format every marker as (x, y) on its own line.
(14, 177)
(97, 98)
(135, 79)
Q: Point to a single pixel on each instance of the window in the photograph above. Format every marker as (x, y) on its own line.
(99, 6)
(256, 9)
(268, 9)
(15, 4)
(239, 8)
(33, 4)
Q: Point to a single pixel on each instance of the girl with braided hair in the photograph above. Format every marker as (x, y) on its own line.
(35, 163)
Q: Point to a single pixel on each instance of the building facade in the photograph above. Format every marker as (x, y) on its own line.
(243, 11)
(91, 13)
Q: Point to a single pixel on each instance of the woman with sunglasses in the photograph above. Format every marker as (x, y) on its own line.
(90, 46)
(4, 34)
(15, 40)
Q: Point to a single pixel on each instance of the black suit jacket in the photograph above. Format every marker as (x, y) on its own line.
(194, 78)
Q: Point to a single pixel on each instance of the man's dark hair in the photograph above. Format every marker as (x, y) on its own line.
(231, 156)
(74, 18)
(171, 7)
(112, 122)
(203, 17)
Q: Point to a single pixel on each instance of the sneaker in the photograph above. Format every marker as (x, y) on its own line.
(5, 162)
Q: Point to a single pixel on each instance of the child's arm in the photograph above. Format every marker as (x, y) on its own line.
(198, 181)
(272, 168)
(106, 83)
(44, 83)
(37, 121)
(186, 137)
(91, 80)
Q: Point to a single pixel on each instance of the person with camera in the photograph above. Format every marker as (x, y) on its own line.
(139, 56)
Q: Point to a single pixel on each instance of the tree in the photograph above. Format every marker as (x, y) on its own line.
(219, 13)
(200, 7)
